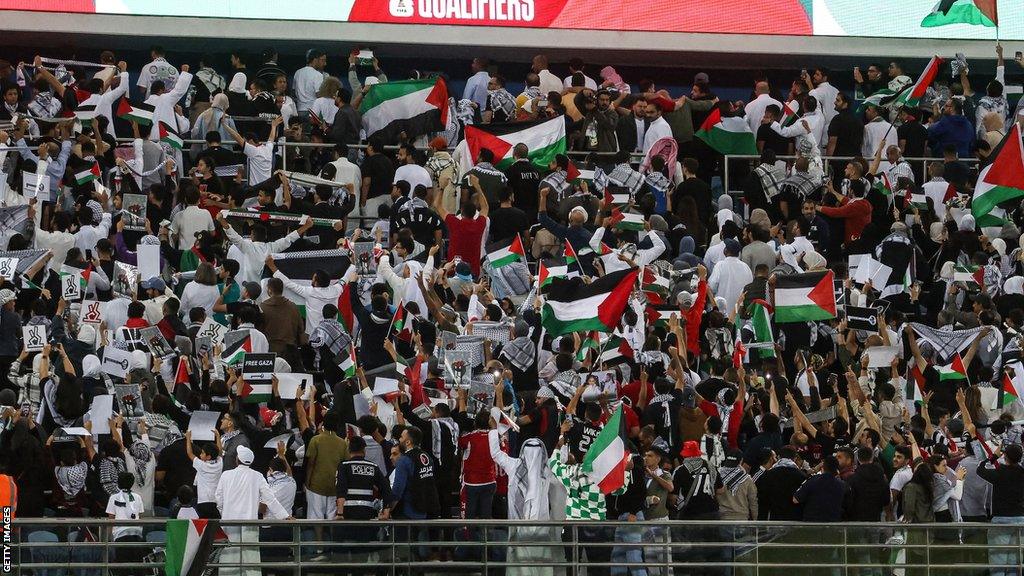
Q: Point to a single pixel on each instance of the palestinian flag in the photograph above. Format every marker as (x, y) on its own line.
(730, 135)
(415, 107)
(659, 314)
(345, 314)
(183, 375)
(1011, 389)
(628, 220)
(317, 121)
(398, 324)
(347, 364)
(85, 112)
(654, 283)
(883, 185)
(257, 391)
(573, 306)
(139, 113)
(969, 273)
(501, 254)
(805, 297)
(615, 199)
(606, 459)
(954, 371)
(236, 344)
(615, 350)
(884, 98)
(572, 259)
(1003, 179)
(789, 115)
(755, 332)
(544, 138)
(974, 12)
(912, 98)
(85, 171)
(170, 136)
(551, 269)
(915, 385)
(591, 342)
(189, 545)
(915, 199)
(299, 268)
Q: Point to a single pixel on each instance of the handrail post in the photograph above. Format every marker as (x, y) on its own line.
(725, 175)
(297, 541)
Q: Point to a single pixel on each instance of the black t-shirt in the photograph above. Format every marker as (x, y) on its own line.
(699, 500)
(849, 133)
(381, 172)
(916, 136)
(524, 178)
(773, 140)
(423, 222)
(507, 222)
(664, 416)
(581, 436)
(235, 307)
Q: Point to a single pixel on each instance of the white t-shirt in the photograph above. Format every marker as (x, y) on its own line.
(158, 69)
(415, 175)
(261, 161)
(207, 476)
(588, 82)
(125, 506)
(189, 221)
(325, 109)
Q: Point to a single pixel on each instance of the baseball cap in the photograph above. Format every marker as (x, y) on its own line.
(154, 283)
(701, 78)
(253, 289)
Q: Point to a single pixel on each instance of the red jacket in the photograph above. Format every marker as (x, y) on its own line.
(693, 316)
(857, 214)
(477, 465)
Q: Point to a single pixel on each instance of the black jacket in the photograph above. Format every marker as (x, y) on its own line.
(868, 495)
(1007, 488)
(625, 130)
(775, 489)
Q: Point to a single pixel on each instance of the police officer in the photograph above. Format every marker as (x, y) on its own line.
(360, 484)
(415, 486)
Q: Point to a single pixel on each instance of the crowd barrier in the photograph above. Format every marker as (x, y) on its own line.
(82, 546)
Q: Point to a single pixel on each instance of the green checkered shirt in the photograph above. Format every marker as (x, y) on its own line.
(584, 500)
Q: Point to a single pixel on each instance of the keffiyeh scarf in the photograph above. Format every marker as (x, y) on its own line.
(733, 477)
(521, 352)
(556, 180)
(72, 478)
(623, 175)
(141, 454)
(502, 101)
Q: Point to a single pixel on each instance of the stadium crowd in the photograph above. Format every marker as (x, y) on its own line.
(451, 329)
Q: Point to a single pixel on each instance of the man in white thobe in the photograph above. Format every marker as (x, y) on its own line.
(239, 494)
(658, 127)
(754, 111)
(730, 276)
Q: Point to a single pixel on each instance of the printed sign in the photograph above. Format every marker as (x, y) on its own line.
(91, 312)
(8, 268)
(34, 337)
(133, 211)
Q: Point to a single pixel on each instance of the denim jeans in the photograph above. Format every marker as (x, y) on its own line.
(631, 554)
(1005, 537)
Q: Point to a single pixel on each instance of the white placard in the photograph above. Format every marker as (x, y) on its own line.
(116, 362)
(92, 312)
(34, 337)
(71, 286)
(35, 185)
(100, 411)
(148, 257)
(202, 423)
(865, 269)
(8, 268)
(881, 356)
(286, 438)
(854, 263)
(383, 386)
(288, 385)
(76, 431)
(213, 330)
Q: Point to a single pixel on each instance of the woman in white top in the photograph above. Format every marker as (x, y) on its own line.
(948, 489)
(324, 107)
(202, 291)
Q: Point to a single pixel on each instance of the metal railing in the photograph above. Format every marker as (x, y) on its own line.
(919, 163)
(55, 546)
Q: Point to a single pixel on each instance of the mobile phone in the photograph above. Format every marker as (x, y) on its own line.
(803, 73)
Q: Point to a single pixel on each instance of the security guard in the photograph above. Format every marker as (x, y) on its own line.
(360, 483)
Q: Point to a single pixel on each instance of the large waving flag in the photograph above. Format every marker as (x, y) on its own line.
(573, 306)
(543, 138)
(805, 297)
(730, 135)
(912, 97)
(138, 113)
(415, 107)
(954, 371)
(189, 545)
(505, 252)
(975, 12)
(1003, 179)
(606, 459)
